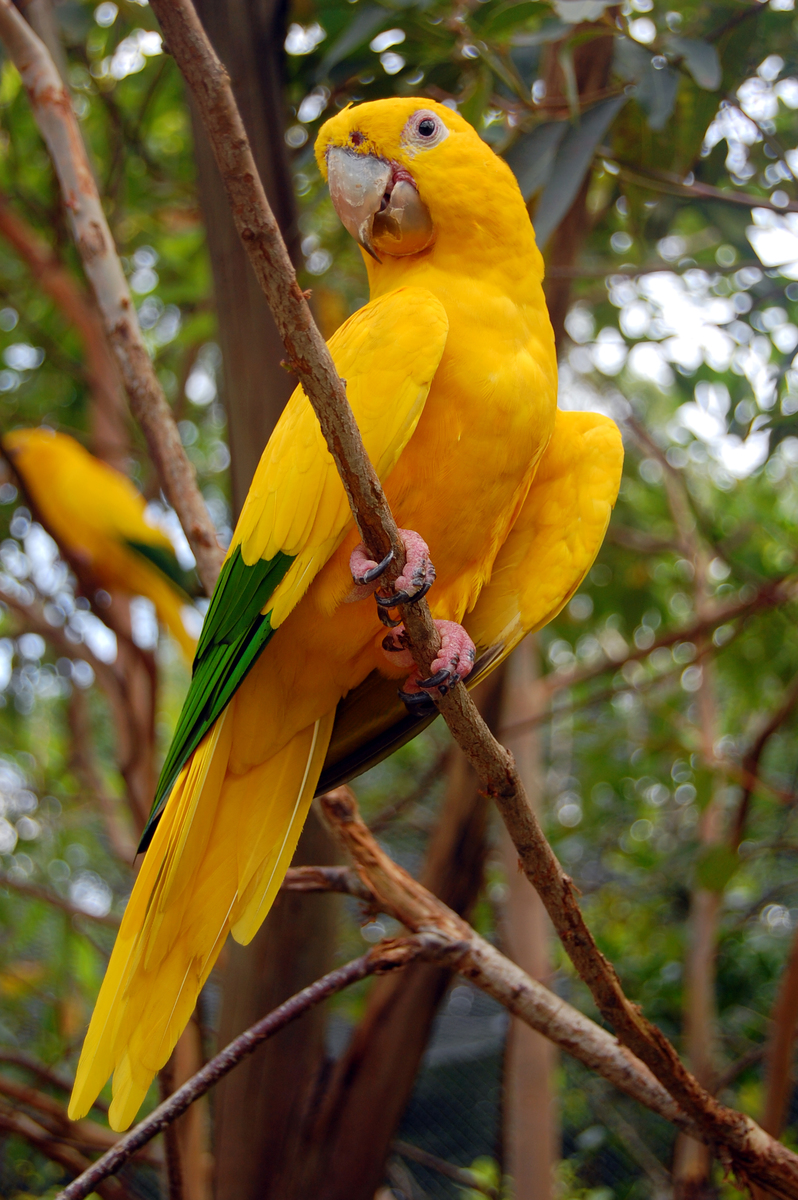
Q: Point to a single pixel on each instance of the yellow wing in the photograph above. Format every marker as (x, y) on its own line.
(547, 554)
(387, 353)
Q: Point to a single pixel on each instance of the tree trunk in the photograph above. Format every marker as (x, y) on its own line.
(692, 1160)
(343, 1150)
(530, 1125)
(248, 36)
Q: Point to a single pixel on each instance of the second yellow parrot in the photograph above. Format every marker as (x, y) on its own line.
(97, 517)
(451, 373)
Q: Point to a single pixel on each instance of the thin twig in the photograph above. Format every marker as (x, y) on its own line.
(34, 892)
(667, 181)
(749, 768)
(461, 1175)
(54, 1149)
(391, 811)
(741, 1142)
(387, 956)
(52, 109)
(326, 879)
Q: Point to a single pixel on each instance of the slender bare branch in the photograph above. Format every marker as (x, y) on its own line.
(387, 956)
(53, 1148)
(668, 181)
(397, 893)
(34, 892)
(65, 291)
(326, 879)
(749, 768)
(461, 1175)
(55, 117)
(750, 1150)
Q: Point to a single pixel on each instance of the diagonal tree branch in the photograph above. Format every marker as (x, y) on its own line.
(64, 290)
(388, 956)
(55, 117)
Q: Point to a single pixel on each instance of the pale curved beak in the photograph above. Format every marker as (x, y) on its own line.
(358, 183)
(381, 209)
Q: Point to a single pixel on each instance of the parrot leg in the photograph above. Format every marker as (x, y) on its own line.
(453, 663)
(418, 574)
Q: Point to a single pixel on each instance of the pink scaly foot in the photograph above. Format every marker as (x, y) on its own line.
(453, 663)
(415, 581)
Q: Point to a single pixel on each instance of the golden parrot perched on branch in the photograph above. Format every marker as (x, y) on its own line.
(96, 516)
(451, 373)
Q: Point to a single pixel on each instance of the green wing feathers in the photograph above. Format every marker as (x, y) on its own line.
(234, 633)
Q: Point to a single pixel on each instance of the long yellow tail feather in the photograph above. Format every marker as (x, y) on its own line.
(216, 862)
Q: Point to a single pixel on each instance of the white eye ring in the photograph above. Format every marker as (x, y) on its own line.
(424, 129)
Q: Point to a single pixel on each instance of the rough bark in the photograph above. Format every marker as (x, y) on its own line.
(529, 1112)
(342, 1152)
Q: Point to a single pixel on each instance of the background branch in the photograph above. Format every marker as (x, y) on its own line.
(388, 956)
(55, 117)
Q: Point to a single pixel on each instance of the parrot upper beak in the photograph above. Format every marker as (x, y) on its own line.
(378, 204)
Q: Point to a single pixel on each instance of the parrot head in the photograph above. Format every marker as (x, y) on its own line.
(20, 444)
(409, 175)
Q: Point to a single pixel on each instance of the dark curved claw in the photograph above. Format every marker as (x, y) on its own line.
(447, 687)
(403, 597)
(417, 702)
(390, 645)
(375, 572)
(436, 680)
(388, 621)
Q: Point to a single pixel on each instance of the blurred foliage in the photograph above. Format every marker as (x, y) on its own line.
(676, 327)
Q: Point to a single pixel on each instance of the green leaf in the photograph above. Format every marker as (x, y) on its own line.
(701, 60)
(573, 161)
(508, 17)
(715, 867)
(531, 157)
(233, 635)
(656, 94)
(362, 29)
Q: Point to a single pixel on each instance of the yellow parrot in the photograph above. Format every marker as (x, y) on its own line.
(451, 373)
(97, 516)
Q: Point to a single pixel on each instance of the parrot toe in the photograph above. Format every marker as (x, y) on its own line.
(453, 663)
(365, 570)
(418, 573)
(418, 576)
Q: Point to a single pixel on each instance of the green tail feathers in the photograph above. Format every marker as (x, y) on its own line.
(233, 635)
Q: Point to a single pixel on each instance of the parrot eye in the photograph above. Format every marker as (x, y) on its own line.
(425, 129)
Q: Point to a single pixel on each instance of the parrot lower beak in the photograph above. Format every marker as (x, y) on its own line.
(378, 204)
